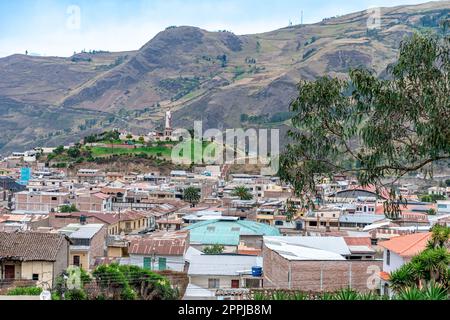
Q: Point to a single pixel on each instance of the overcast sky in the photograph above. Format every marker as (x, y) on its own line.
(60, 27)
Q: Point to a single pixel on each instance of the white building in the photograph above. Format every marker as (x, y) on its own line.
(397, 252)
(443, 206)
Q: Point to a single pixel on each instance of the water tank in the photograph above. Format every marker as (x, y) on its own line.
(256, 271)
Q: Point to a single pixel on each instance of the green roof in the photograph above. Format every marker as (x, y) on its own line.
(227, 232)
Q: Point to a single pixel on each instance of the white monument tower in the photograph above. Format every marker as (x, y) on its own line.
(168, 128)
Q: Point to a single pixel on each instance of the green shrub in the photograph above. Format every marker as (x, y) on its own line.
(25, 291)
(75, 294)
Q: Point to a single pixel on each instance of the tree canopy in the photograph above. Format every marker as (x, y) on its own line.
(192, 195)
(214, 249)
(373, 128)
(242, 192)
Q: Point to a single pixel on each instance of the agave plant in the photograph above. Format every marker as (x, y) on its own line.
(298, 296)
(326, 296)
(279, 295)
(435, 291)
(346, 294)
(368, 296)
(259, 296)
(411, 293)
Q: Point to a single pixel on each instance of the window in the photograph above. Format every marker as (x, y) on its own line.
(76, 261)
(278, 223)
(235, 284)
(162, 264)
(252, 283)
(213, 283)
(147, 263)
(35, 277)
(54, 198)
(388, 257)
(81, 242)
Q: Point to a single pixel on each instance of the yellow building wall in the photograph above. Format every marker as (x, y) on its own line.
(43, 268)
(84, 259)
(135, 225)
(114, 252)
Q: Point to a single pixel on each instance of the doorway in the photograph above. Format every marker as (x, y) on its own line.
(10, 272)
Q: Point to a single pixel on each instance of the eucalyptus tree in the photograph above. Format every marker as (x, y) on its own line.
(373, 128)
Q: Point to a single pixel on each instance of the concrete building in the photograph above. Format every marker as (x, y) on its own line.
(87, 242)
(443, 206)
(303, 267)
(209, 273)
(160, 251)
(40, 202)
(94, 201)
(398, 251)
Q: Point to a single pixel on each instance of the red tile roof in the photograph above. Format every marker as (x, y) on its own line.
(167, 244)
(407, 245)
(385, 276)
(358, 241)
(31, 246)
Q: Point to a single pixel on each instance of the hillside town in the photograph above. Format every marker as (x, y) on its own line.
(200, 152)
(215, 235)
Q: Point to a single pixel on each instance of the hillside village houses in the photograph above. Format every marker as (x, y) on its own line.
(94, 216)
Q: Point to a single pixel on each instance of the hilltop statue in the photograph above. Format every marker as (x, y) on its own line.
(168, 127)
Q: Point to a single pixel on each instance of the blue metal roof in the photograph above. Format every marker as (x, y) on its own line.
(227, 232)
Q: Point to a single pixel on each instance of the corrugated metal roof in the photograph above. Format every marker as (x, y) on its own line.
(332, 244)
(222, 265)
(295, 252)
(361, 218)
(79, 231)
(168, 244)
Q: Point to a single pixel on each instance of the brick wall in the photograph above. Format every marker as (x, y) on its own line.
(318, 276)
(98, 245)
(39, 202)
(59, 222)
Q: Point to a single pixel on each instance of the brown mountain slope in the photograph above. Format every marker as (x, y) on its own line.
(216, 77)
